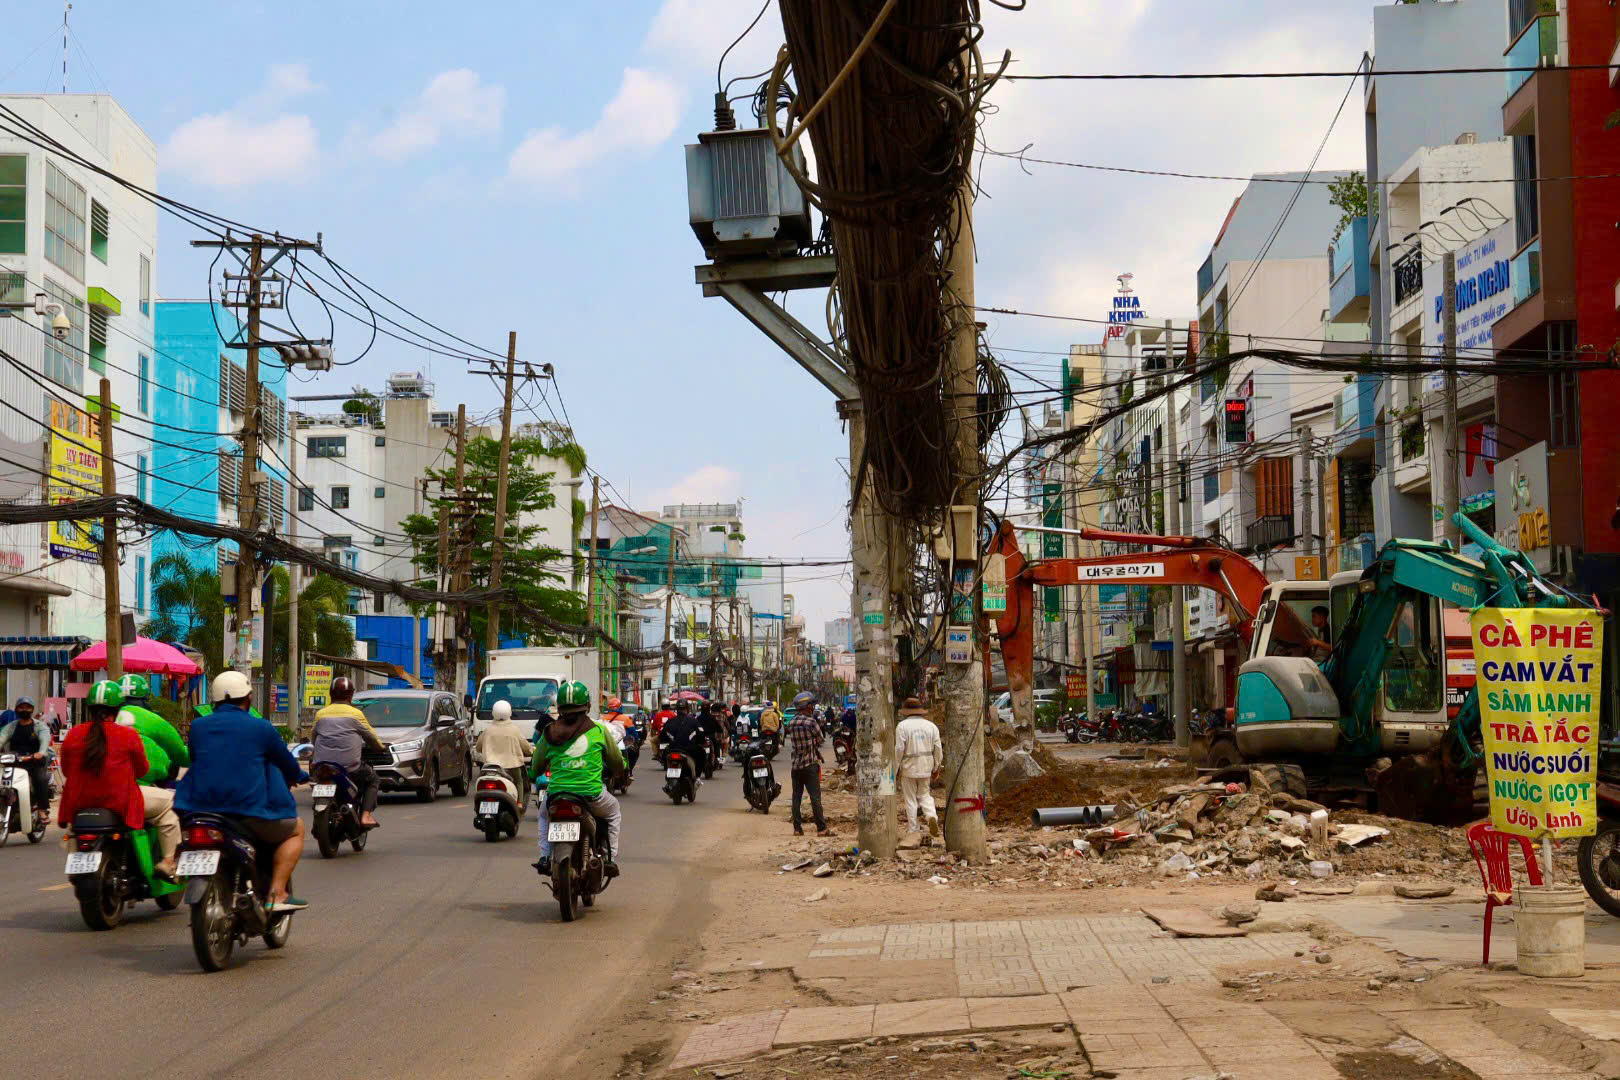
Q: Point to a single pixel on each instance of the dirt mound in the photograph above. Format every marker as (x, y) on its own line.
(1054, 789)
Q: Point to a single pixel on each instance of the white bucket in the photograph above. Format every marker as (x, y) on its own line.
(1551, 924)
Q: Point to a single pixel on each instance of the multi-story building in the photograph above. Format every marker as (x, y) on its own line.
(713, 529)
(839, 634)
(86, 247)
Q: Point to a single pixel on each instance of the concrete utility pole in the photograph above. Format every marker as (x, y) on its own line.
(1307, 501)
(109, 541)
(962, 685)
(442, 576)
(669, 612)
(456, 652)
(492, 633)
(1172, 517)
(592, 593)
(295, 670)
(1447, 472)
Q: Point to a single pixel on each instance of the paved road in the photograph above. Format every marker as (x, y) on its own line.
(434, 953)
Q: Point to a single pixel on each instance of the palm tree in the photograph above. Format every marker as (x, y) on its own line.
(323, 626)
(187, 607)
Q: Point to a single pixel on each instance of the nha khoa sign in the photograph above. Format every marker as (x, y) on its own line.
(1126, 310)
(1539, 674)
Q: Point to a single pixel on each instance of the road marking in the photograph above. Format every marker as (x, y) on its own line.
(56, 888)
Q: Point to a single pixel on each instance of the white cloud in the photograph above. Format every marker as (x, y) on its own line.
(644, 112)
(711, 483)
(693, 33)
(454, 103)
(253, 141)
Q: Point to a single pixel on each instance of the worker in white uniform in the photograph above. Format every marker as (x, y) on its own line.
(921, 751)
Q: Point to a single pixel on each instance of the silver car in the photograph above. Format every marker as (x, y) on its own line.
(428, 739)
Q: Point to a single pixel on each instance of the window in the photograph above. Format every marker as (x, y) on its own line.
(340, 498)
(144, 374)
(98, 231)
(337, 543)
(1414, 674)
(306, 499)
(379, 493)
(1212, 485)
(1526, 197)
(140, 477)
(377, 541)
(64, 221)
(98, 342)
(328, 446)
(146, 285)
(140, 583)
(380, 440)
(63, 362)
(13, 204)
(351, 559)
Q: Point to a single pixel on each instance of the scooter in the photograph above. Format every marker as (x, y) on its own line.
(844, 749)
(1070, 725)
(578, 853)
(336, 802)
(711, 755)
(227, 886)
(680, 777)
(1598, 857)
(18, 812)
(759, 779)
(110, 866)
(498, 803)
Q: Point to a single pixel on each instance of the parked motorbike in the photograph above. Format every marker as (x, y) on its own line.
(578, 853)
(759, 779)
(1070, 725)
(110, 865)
(680, 777)
(1598, 857)
(18, 810)
(337, 810)
(844, 749)
(498, 803)
(227, 888)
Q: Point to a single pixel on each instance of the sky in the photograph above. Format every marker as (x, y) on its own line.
(500, 166)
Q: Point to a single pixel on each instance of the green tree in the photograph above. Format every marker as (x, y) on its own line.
(1350, 195)
(530, 568)
(365, 405)
(323, 604)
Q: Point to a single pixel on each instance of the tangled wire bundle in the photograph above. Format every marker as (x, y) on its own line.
(893, 139)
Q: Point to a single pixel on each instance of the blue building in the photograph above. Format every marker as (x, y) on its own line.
(200, 385)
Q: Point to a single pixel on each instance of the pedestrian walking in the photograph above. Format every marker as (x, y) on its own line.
(805, 738)
(922, 754)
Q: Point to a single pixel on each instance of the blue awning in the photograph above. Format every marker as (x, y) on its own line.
(40, 652)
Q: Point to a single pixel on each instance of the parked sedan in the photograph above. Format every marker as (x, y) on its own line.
(428, 740)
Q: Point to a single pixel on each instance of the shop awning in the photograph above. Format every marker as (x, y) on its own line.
(35, 653)
(1152, 683)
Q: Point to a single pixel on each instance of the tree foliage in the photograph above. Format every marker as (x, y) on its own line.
(365, 405)
(533, 570)
(1351, 196)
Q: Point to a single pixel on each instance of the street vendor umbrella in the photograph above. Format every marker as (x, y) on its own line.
(141, 657)
(689, 695)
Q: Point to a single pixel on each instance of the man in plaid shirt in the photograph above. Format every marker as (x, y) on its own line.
(804, 740)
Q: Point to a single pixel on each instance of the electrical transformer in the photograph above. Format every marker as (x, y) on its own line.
(742, 199)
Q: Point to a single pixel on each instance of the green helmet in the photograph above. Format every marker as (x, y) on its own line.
(106, 693)
(135, 687)
(573, 695)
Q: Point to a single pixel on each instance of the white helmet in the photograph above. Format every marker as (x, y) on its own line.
(230, 685)
(501, 710)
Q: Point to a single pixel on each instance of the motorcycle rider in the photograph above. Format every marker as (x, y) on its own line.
(502, 744)
(665, 713)
(166, 752)
(241, 769)
(715, 727)
(31, 743)
(341, 736)
(681, 734)
(622, 724)
(770, 724)
(580, 752)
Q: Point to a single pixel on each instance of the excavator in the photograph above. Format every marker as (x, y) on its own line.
(1358, 709)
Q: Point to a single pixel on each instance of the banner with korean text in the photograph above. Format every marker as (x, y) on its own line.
(1539, 674)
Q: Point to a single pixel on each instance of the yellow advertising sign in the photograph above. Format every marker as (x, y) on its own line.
(317, 685)
(75, 474)
(1539, 672)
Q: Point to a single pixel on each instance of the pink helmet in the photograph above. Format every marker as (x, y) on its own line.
(614, 703)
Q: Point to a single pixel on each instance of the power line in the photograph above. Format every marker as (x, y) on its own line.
(1180, 76)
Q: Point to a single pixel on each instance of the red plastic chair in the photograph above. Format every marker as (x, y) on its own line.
(1492, 851)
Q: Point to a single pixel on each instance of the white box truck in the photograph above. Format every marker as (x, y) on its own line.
(529, 678)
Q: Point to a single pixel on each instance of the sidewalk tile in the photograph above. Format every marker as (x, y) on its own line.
(1014, 1012)
(1124, 1003)
(855, 935)
(1265, 1069)
(904, 953)
(1161, 1026)
(1518, 1063)
(1203, 1005)
(825, 1024)
(1249, 1031)
(936, 1016)
(1126, 1051)
(834, 951)
(988, 947)
(1288, 1050)
(732, 1039)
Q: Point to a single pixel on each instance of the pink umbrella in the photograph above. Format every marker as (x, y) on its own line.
(142, 657)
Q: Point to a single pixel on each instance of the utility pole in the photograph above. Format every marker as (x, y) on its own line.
(456, 652)
(1307, 500)
(109, 540)
(442, 579)
(592, 593)
(716, 680)
(1447, 470)
(492, 633)
(295, 667)
(669, 611)
(1172, 516)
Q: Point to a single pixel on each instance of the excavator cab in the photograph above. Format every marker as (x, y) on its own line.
(1285, 706)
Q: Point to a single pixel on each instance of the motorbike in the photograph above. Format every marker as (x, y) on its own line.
(18, 810)
(1071, 726)
(1598, 857)
(498, 803)
(680, 777)
(759, 779)
(110, 866)
(844, 749)
(578, 853)
(227, 887)
(336, 802)
(711, 755)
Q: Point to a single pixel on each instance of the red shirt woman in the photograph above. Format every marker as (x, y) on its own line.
(100, 764)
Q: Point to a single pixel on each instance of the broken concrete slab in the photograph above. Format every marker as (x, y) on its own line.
(825, 1024)
(1423, 891)
(936, 1016)
(1187, 922)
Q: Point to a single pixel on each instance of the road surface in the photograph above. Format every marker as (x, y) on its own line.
(433, 953)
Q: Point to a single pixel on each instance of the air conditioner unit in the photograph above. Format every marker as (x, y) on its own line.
(741, 198)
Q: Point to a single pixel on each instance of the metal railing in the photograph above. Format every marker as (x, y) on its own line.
(1408, 271)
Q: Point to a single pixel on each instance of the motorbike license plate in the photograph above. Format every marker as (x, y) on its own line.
(760, 774)
(83, 862)
(562, 832)
(197, 863)
(491, 807)
(324, 791)
(673, 774)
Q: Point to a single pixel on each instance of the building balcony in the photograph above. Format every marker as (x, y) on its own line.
(1350, 274)
(1526, 272)
(1408, 272)
(1269, 532)
(1535, 47)
(1355, 415)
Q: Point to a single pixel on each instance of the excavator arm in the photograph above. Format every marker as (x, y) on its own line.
(1190, 561)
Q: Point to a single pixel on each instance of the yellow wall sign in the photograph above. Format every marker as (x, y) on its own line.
(1539, 673)
(75, 474)
(317, 685)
